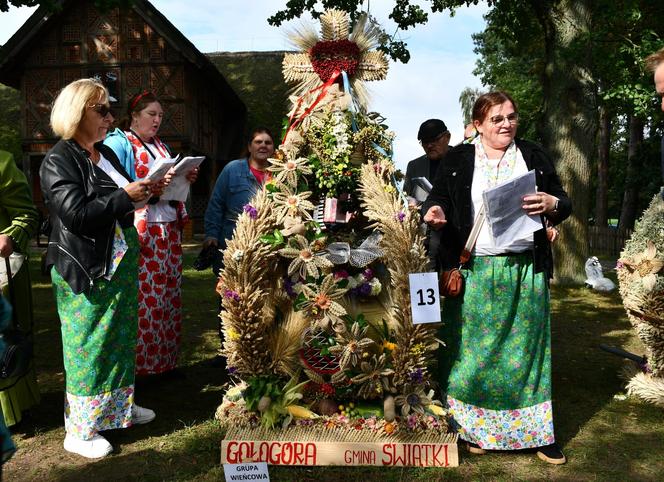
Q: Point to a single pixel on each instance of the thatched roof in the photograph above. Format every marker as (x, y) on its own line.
(256, 78)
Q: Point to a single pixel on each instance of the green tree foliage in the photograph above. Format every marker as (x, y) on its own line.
(404, 13)
(511, 58)
(467, 99)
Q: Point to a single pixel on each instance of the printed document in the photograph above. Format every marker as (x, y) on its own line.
(507, 219)
(178, 189)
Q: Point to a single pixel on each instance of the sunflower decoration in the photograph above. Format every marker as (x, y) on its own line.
(352, 346)
(645, 266)
(287, 171)
(305, 256)
(414, 400)
(375, 379)
(320, 301)
(290, 203)
(337, 49)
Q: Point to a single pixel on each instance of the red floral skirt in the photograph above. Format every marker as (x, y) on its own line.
(159, 300)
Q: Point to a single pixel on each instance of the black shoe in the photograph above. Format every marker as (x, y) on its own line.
(218, 362)
(551, 454)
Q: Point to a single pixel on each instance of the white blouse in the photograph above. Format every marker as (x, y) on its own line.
(485, 245)
(106, 166)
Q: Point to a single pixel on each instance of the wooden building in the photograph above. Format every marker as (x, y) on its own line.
(129, 50)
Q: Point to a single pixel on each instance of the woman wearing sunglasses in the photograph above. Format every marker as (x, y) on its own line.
(93, 259)
(159, 225)
(496, 367)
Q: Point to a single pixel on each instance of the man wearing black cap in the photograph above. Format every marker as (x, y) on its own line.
(434, 138)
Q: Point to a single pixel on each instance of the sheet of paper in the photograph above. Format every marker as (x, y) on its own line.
(422, 188)
(504, 212)
(246, 471)
(159, 170)
(178, 189)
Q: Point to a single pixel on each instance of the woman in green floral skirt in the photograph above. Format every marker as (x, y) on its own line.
(496, 367)
(93, 253)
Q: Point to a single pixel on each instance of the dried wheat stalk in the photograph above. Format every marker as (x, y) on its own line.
(403, 246)
(247, 316)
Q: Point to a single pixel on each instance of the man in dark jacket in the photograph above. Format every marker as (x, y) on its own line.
(434, 138)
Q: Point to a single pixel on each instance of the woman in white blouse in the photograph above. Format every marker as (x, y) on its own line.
(496, 367)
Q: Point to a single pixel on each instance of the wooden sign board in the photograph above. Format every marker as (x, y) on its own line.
(388, 454)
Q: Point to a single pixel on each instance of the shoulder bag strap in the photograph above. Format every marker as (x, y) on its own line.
(472, 237)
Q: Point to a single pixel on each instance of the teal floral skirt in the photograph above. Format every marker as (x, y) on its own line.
(99, 330)
(496, 367)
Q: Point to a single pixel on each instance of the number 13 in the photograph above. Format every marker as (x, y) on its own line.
(430, 297)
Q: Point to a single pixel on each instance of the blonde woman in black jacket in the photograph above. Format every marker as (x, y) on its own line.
(92, 256)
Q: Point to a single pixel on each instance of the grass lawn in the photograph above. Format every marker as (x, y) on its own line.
(604, 437)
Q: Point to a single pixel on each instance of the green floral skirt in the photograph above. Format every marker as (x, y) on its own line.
(496, 366)
(99, 332)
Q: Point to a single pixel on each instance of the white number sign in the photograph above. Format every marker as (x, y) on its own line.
(424, 298)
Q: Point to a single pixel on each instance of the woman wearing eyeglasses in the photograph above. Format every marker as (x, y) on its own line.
(496, 367)
(159, 225)
(93, 258)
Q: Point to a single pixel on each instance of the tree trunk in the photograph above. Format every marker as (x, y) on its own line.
(602, 196)
(570, 122)
(631, 195)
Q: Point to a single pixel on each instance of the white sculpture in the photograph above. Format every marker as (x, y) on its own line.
(596, 279)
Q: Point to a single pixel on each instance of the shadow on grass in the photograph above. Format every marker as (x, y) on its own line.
(585, 378)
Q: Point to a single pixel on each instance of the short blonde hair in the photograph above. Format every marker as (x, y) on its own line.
(655, 60)
(70, 104)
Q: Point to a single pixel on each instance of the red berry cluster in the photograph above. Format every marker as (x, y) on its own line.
(334, 55)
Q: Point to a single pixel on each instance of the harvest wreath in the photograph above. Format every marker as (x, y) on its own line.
(316, 311)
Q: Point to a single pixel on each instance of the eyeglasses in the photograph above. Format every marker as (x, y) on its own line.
(101, 109)
(512, 118)
(434, 140)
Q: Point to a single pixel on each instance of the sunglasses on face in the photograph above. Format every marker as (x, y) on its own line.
(101, 109)
(512, 118)
(434, 140)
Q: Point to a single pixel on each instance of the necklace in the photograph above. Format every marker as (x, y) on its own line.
(503, 170)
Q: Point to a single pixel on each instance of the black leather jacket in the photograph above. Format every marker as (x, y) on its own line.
(84, 203)
(452, 192)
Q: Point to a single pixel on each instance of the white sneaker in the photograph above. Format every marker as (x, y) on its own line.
(94, 448)
(140, 415)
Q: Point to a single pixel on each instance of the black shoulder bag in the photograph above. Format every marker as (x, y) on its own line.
(16, 359)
